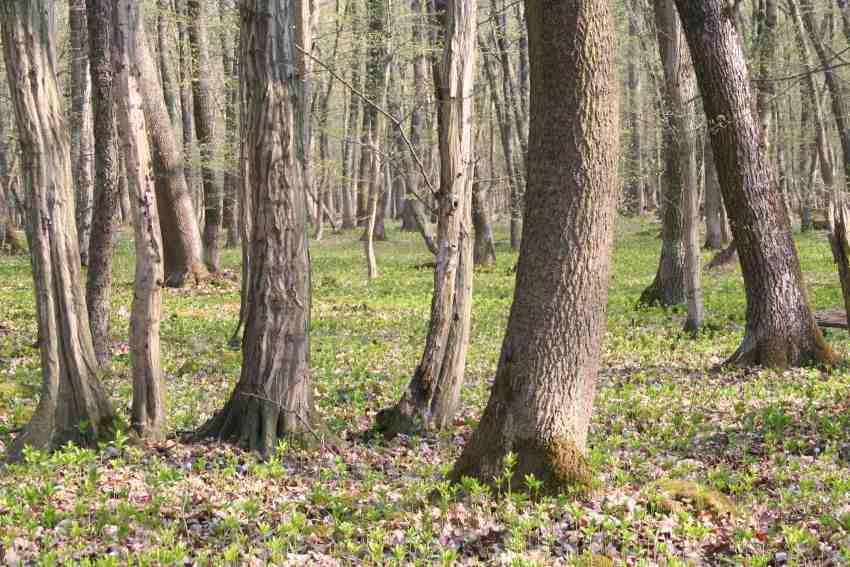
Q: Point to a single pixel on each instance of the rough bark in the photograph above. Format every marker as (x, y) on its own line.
(148, 409)
(273, 397)
(81, 124)
(180, 234)
(99, 281)
(780, 329)
(433, 392)
(541, 401)
(73, 406)
(204, 117)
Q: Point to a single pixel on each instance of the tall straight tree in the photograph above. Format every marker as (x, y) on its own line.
(73, 406)
(542, 398)
(99, 280)
(148, 412)
(780, 329)
(202, 103)
(432, 395)
(81, 123)
(181, 237)
(274, 395)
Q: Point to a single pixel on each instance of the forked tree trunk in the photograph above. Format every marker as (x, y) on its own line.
(432, 395)
(780, 329)
(106, 197)
(181, 237)
(73, 406)
(81, 124)
(274, 396)
(148, 413)
(680, 94)
(202, 103)
(541, 401)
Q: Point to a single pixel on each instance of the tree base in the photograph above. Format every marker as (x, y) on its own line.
(178, 278)
(401, 419)
(557, 463)
(782, 352)
(724, 259)
(660, 295)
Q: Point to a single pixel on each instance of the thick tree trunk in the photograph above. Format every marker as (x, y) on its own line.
(181, 237)
(541, 401)
(432, 395)
(780, 329)
(99, 282)
(273, 397)
(81, 124)
(73, 406)
(148, 412)
(484, 252)
(202, 103)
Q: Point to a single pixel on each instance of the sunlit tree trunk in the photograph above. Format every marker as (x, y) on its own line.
(81, 123)
(541, 402)
(73, 406)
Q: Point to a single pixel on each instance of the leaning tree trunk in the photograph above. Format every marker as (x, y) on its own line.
(680, 94)
(106, 198)
(202, 103)
(81, 124)
(432, 395)
(273, 397)
(148, 413)
(541, 402)
(780, 329)
(73, 406)
(180, 234)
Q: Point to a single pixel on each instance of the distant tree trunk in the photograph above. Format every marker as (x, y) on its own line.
(780, 329)
(187, 115)
(99, 282)
(716, 225)
(181, 237)
(230, 205)
(81, 124)
(541, 402)
(148, 412)
(432, 395)
(73, 406)
(680, 95)
(274, 396)
(349, 203)
(202, 103)
(169, 91)
(484, 253)
(635, 170)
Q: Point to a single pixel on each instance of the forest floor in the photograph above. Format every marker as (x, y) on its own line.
(693, 466)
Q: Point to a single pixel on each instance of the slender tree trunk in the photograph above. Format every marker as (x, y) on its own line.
(230, 204)
(181, 237)
(99, 282)
(432, 395)
(780, 329)
(186, 102)
(81, 124)
(349, 205)
(202, 103)
(148, 412)
(274, 396)
(633, 71)
(484, 253)
(73, 406)
(541, 402)
(169, 91)
(716, 225)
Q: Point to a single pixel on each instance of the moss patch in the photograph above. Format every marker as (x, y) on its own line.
(673, 495)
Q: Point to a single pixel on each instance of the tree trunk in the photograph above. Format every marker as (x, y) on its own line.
(432, 395)
(349, 204)
(81, 124)
(186, 103)
(716, 225)
(635, 170)
(780, 329)
(99, 282)
(180, 235)
(273, 397)
(541, 401)
(681, 94)
(73, 406)
(148, 412)
(230, 205)
(169, 92)
(202, 103)
(484, 253)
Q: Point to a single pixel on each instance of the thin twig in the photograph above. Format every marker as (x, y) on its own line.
(395, 121)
